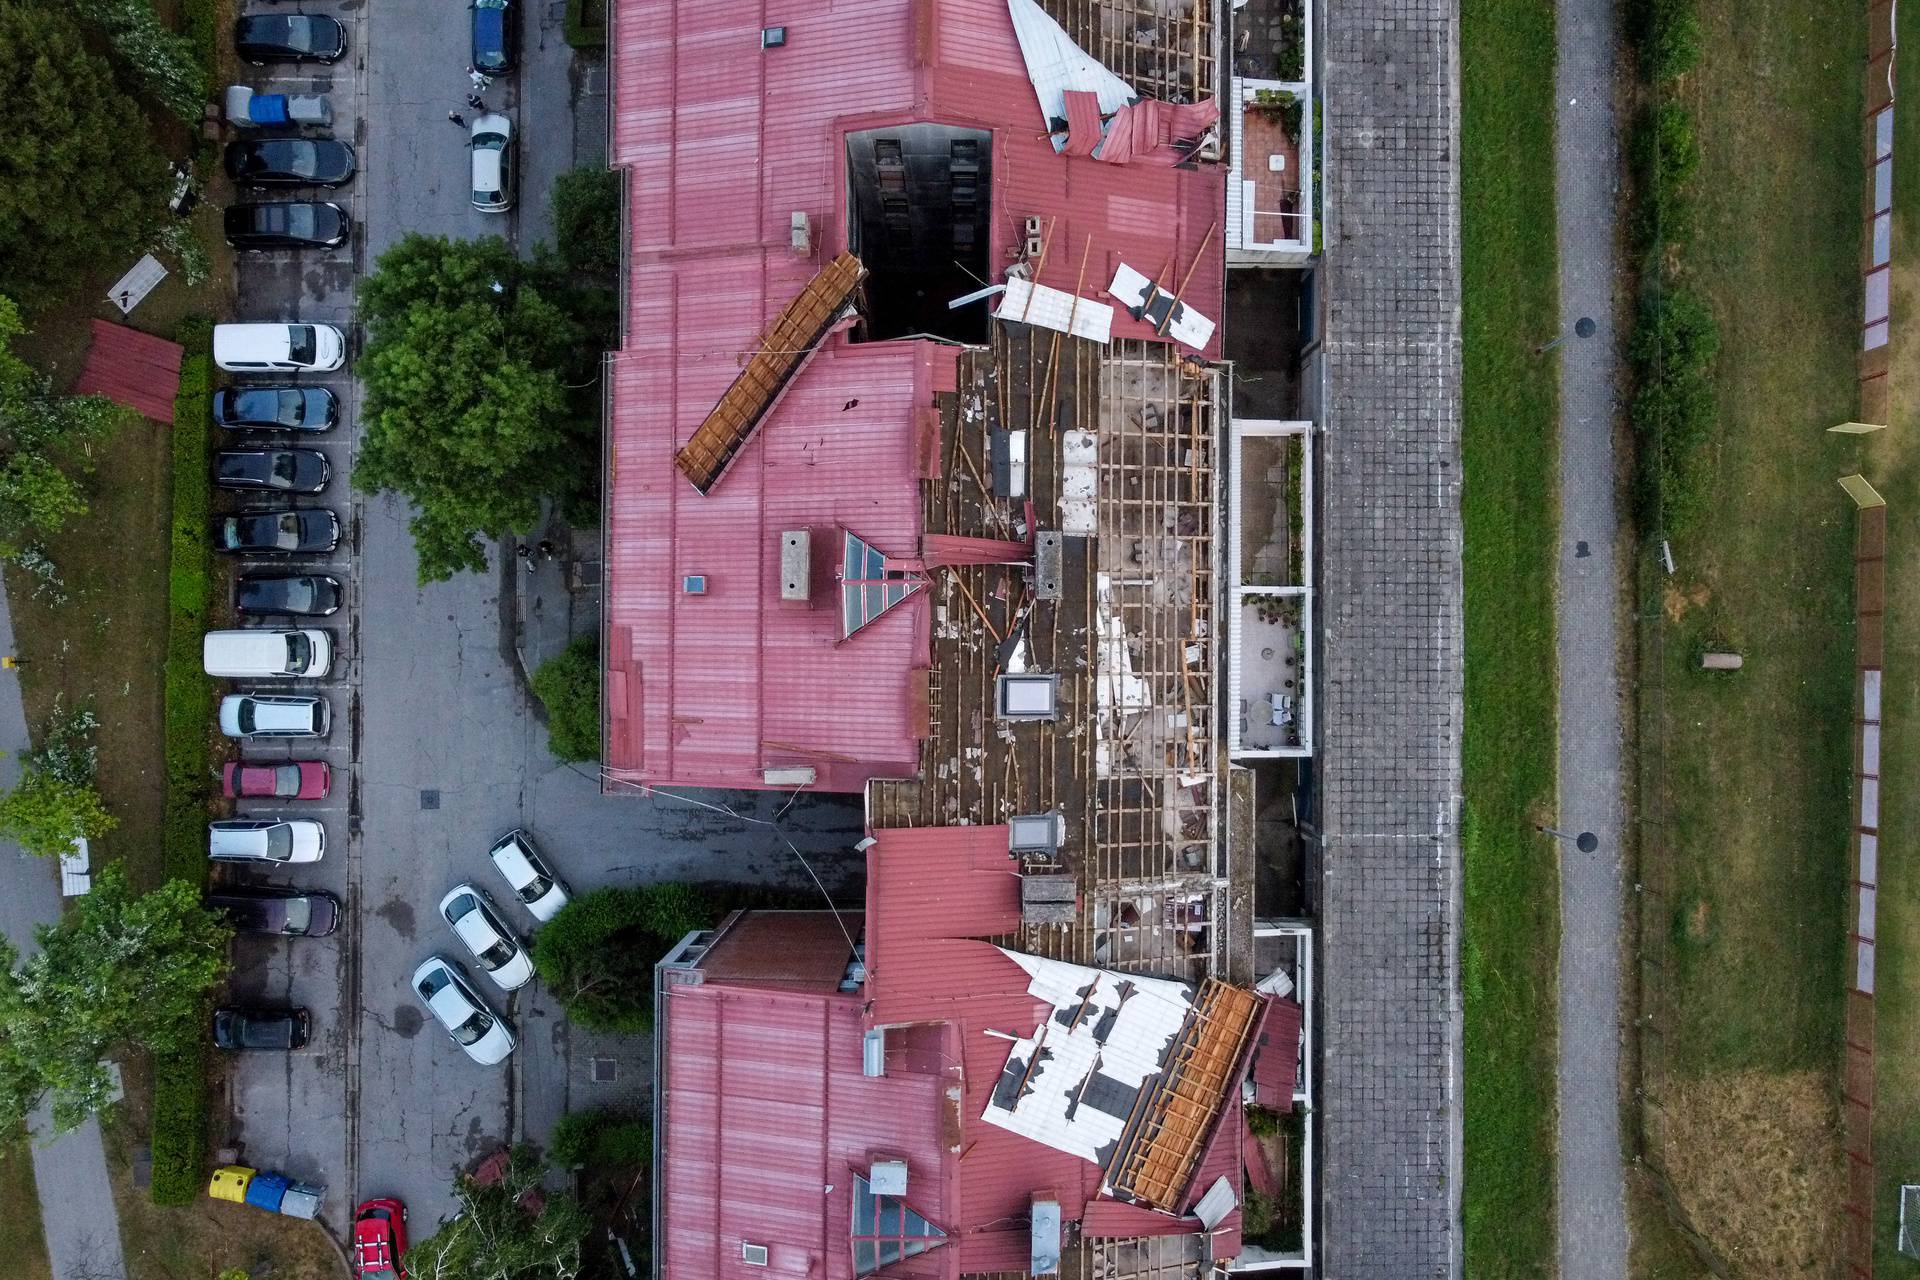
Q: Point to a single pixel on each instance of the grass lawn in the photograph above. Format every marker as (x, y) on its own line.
(23, 1250)
(1511, 926)
(1893, 463)
(1745, 779)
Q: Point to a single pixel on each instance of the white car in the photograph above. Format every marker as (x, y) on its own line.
(273, 715)
(490, 144)
(477, 923)
(531, 879)
(266, 840)
(279, 348)
(480, 1032)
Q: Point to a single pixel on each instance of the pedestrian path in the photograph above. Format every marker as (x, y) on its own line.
(76, 1201)
(1592, 1192)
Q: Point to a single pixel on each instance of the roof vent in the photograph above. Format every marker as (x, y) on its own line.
(796, 558)
(1027, 696)
(873, 1053)
(888, 1177)
(754, 1255)
(694, 584)
(772, 37)
(1045, 1258)
(800, 233)
(788, 775)
(1047, 555)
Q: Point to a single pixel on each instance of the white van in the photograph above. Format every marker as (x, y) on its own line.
(279, 348)
(247, 654)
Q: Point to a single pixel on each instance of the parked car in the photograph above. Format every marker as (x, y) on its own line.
(280, 913)
(490, 146)
(303, 529)
(290, 224)
(274, 715)
(266, 840)
(286, 780)
(272, 1030)
(279, 470)
(267, 654)
(305, 595)
(289, 37)
(482, 1034)
(477, 923)
(280, 407)
(496, 36)
(380, 1239)
(279, 348)
(528, 875)
(290, 162)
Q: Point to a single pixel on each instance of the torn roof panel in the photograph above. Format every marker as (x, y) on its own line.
(1057, 66)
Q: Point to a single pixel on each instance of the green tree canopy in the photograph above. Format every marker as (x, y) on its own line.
(38, 432)
(597, 955)
(120, 968)
(481, 394)
(83, 185)
(45, 812)
(502, 1232)
(586, 220)
(568, 685)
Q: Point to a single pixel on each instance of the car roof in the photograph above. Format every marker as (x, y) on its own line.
(509, 856)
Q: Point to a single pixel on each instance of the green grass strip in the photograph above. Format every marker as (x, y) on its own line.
(1510, 404)
(180, 1080)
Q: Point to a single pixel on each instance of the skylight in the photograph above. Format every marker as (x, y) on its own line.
(885, 1230)
(868, 587)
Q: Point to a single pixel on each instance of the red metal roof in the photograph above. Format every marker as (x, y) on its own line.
(132, 368)
(724, 142)
(1276, 1053)
(767, 1115)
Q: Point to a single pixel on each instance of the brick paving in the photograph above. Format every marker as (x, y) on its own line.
(1391, 675)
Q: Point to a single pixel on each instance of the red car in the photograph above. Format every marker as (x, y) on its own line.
(379, 1239)
(294, 780)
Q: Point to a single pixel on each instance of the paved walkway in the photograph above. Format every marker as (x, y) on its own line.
(76, 1200)
(1592, 1201)
(1391, 676)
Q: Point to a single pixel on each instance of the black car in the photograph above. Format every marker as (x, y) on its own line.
(289, 37)
(308, 595)
(290, 162)
(293, 224)
(304, 529)
(269, 1029)
(282, 470)
(495, 36)
(289, 913)
(275, 408)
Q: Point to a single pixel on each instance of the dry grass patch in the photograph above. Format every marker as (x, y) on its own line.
(1751, 1153)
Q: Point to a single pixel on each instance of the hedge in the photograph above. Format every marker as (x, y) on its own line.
(200, 24)
(568, 686)
(587, 24)
(179, 1141)
(1667, 35)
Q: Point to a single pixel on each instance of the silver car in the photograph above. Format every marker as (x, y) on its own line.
(266, 840)
(477, 923)
(490, 145)
(273, 715)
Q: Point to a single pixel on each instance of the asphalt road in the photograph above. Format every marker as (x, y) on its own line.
(435, 747)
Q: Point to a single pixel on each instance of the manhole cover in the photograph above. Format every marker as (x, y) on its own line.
(1585, 326)
(606, 1070)
(429, 799)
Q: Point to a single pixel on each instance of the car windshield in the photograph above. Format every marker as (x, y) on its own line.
(295, 593)
(248, 721)
(496, 955)
(299, 914)
(302, 30)
(285, 467)
(536, 888)
(299, 652)
(288, 537)
(299, 220)
(470, 1031)
(286, 780)
(301, 343)
(280, 842)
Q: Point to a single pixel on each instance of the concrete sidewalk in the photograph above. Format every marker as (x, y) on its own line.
(1592, 1191)
(76, 1200)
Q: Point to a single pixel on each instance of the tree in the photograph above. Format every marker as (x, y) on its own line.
(119, 969)
(506, 1229)
(38, 431)
(568, 685)
(162, 61)
(474, 369)
(85, 186)
(597, 954)
(586, 220)
(45, 813)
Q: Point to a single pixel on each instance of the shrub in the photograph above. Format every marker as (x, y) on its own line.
(601, 1137)
(597, 955)
(1666, 34)
(189, 691)
(1665, 157)
(586, 220)
(179, 1140)
(1672, 349)
(573, 1137)
(1263, 1121)
(587, 24)
(568, 685)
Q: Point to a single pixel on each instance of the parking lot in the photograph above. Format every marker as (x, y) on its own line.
(434, 746)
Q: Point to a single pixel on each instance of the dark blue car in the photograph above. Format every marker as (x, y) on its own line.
(274, 408)
(495, 36)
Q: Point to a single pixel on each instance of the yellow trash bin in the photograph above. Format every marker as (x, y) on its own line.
(230, 1183)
